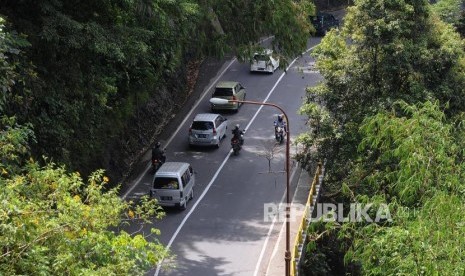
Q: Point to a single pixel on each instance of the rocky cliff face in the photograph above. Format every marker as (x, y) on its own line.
(152, 115)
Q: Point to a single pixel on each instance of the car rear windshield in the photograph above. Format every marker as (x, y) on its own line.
(168, 183)
(199, 125)
(219, 91)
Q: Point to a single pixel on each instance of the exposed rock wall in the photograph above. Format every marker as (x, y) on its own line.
(143, 128)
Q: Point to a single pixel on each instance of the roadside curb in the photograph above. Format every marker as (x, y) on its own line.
(276, 265)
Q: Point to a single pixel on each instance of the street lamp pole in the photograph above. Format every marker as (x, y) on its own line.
(287, 254)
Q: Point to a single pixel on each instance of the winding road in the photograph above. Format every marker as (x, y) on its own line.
(223, 231)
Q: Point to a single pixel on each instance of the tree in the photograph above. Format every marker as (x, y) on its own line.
(52, 222)
(397, 51)
(387, 52)
(413, 163)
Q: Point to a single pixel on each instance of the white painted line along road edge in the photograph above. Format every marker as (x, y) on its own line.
(262, 252)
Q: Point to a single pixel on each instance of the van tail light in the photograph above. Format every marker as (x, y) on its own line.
(190, 130)
(180, 194)
(234, 98)
(214, 130)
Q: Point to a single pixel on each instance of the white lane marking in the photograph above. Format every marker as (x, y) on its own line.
(262, 252)
(168, 246)
(179, 127)
(275, 249)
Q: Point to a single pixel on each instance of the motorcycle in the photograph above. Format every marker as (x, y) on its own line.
(158, 161)
(237, 143)
(156, 164)
(279, 134)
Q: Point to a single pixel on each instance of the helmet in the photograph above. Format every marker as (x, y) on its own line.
(158, 144)
(280, 117)
(237, 126)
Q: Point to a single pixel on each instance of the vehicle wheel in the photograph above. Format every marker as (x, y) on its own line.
(192, 194)
(184, 206)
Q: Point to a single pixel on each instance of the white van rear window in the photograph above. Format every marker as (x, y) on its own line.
(165, 183)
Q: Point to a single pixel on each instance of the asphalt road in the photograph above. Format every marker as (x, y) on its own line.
(223, 231)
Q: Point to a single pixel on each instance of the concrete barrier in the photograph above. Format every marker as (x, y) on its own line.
(298, 247)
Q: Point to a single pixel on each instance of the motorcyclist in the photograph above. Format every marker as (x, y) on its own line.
(237, 134)
(281, 123)
(158, 153)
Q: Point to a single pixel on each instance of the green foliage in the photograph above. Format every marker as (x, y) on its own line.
(460, 24)
(448, 10)
(427, 244)
(14, 145)
(417, 155)
(10, 66)
(397, 51)
(52, 222)
(94, 67)
(414, 163)
(393, 93)
(287, 20)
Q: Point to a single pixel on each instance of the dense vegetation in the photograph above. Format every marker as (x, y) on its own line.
(388, 119)
(73, 77)
(88, 67)
(51, 221)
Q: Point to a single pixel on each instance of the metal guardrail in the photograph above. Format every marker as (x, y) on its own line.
(296, 253)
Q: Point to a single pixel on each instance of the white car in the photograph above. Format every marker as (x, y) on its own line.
(264, 62)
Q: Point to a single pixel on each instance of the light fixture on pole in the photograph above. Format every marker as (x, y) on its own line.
(287, 254)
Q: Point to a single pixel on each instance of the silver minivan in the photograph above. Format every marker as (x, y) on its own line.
(173, 184)
(207, 129)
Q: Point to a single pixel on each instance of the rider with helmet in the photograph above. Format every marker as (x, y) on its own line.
(281, 123)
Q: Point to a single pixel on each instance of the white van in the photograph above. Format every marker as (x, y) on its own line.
(173, 184)
(264, 61)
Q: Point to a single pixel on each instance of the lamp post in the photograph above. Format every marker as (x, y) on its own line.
(287, 254)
